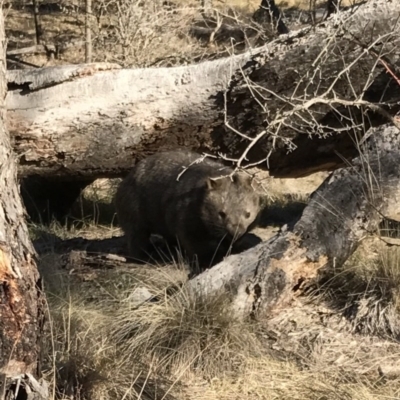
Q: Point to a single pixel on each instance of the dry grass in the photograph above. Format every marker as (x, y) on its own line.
(278, 380)
(367, 288)
(186, 334)
(83, 359)
(106, 343)
(131, 34)
(182, 347)
(140, 33)
(86, 227)
(103, 346)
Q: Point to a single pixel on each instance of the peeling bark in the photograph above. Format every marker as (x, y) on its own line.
(342, 211)
(21, 302)
(96, 120)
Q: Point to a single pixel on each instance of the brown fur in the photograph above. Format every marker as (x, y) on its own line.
(204, 215)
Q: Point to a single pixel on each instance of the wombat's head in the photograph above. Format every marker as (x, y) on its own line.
(230, 205)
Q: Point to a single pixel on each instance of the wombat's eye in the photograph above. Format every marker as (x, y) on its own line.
(222, 214)
(247, 215)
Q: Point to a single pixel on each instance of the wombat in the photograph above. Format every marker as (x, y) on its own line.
(175, 194)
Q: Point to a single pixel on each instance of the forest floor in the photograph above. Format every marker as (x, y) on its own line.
(107, 340)
(152, 33)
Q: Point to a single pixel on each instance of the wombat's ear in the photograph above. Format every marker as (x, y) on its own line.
(213, 184)
(242, 179)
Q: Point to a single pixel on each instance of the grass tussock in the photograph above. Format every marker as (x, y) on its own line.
(187, 333)
(108, 339)
(127, 335)
(367, 288)
(82, 358)
(87, 362)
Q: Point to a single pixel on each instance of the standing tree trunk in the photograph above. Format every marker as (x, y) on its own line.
(206, 6)
(332, 7)
(88, 47)
(269, 12)
(21, 299)
(38, 27)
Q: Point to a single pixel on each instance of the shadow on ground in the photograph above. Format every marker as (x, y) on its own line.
(272, 216)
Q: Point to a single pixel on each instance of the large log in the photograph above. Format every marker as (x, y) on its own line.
(22, 306)
(330, 83)
(347, 207)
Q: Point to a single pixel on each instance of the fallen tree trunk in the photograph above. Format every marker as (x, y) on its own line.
(329, 83)
(21, 300)
(347, 206)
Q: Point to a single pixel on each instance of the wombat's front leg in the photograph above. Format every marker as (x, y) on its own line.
(246, 242)
(138, 242)
(205, 253)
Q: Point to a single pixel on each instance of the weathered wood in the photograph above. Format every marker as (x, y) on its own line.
(308, 92)
(21, 301)
(36, 49)
(96, 120)
(93, 123)
(346, 207)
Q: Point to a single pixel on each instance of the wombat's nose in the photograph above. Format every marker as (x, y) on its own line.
(240, 231)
